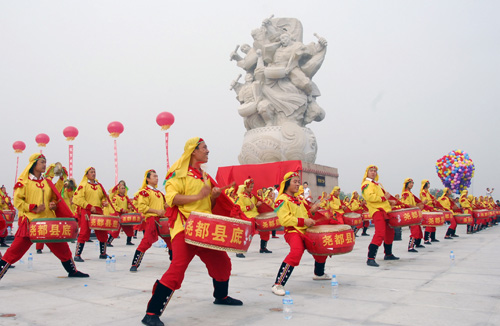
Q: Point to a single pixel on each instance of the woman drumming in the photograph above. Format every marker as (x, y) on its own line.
(294, 216)
(416, 230)
(447, 202)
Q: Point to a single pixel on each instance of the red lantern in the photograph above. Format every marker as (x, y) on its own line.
(165, 120)
(19, 146)
(115, 128)
(70, 133)
(42, 140)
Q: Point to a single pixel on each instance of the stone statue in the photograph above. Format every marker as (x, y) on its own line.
(278, 98)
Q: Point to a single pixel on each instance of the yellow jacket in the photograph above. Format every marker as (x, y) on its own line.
(245, 202)
(32, 194)
(374, 197)
(89, 195)
(291, 213)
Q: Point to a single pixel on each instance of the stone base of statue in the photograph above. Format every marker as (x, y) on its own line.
(278, 143)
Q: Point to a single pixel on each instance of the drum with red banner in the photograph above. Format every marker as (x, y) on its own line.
(9, 215)
(464, 219)
(58, 229)
(104, 222)
(353, 219)
(366, 216)
(448, 216)
(481, 213)
(218, 232)
(405, 217)
(164, 228)
(267, 222)
(326, 240)
(131, 219)
(432, 219)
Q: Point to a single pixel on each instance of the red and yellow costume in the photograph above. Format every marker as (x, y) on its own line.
(356, 206)
(123, 205)
(5, 204)
(416, 234)
(89, 194)
(292, 214)
(447, 203)
(30, 193)
(378, 207)
(336, 207)
(149, 198)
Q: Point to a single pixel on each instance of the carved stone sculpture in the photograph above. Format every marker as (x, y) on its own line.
(278, 98)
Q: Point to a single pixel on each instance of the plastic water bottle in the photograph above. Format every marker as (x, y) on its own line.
(30, 262)
(113, 263)
(335, 287)
(108, 264)
(287, 306)
(452, 258)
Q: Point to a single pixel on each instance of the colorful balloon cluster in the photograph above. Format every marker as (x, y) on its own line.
(455, 170)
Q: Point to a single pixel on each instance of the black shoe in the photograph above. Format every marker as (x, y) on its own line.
(133, 269)
(427, 242)
(391, 257)
(448, 237)
(109, 244)
(130, 244)
(228, 301)
(90, 240)
(372, 262)
(152, 320)
(4, 245)
(265, 251)
(409, 250)
(135, 237)
(12, 266)
(365, 234)
(240, 255)
(455, 236)
(78, 259)
(39, 251)
(434, 240)
(78, 274)
(420, 246)
(104, 256)
(275, 237)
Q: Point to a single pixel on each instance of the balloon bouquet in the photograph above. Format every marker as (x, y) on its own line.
(455, 170)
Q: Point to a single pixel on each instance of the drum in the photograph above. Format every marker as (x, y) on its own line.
(104, 222)
(448, 216)
(366, 216)
(218, 232)
(432, 219)
(353, 219)
(9, 215)
(481, 213)
(164, 228)
(464, 219)
(405, 217)
(326, 240)
(58, 229)
(267, 221)
(131, 219)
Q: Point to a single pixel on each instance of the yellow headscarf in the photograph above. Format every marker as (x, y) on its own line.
(404, 184)
(241, 189)
(229, 191)
(286, 177)
(85, 180)
(300, 192)
(445, 191)
(334, 189)
(463, 193)
(352, 196)
(266, 194)
(24, 176)
(422, 184)
(248, 182)
(366, 173)
(145, 180)
(180, 167)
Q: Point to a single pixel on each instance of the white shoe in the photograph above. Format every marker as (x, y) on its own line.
(324, 277)
(278, 289)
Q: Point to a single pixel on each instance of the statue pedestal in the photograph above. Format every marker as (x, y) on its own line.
(278, 143)
(319, 177)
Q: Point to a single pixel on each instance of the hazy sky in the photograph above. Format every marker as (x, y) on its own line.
(403, 83)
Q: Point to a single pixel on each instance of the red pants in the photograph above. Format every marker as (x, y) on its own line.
(84, 234)
(140, 227)
(366, 224)
(151, 235)
(416, 232)
(453, 224)
(217, 262)
(430, 229)
(128, 229)
(297, 247)
(383, 233)
(264, 235)
(22, 243)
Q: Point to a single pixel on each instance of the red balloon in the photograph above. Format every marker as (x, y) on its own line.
(42, 140)
(19, 146)
(165, 120)
(70, 133)
(115, 128)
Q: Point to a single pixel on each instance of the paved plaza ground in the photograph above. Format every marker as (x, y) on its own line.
(420, 289)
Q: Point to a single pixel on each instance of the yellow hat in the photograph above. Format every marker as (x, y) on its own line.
(286, 177)
(248, 182)
(464, 193)
(422, 184)
(445, 191)
(407, 180)
(334, 189)
(24, 176)
(241, 189)
(180, 167)
(366, 173)
(145, 180)
(268, 191)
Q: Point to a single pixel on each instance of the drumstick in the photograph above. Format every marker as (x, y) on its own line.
(236, 49)
(235, 81)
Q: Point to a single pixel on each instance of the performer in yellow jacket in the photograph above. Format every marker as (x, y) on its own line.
(123, 205)
(379, 204)
(447, 203)
(90, 198)
(34, 198)
(294, 216)
(248, 204)
(189, 189)
(336, 205)
(356, 206)
(408, 198)
(5, 204)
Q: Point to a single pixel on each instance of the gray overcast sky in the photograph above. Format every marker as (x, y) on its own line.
(403, 83)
